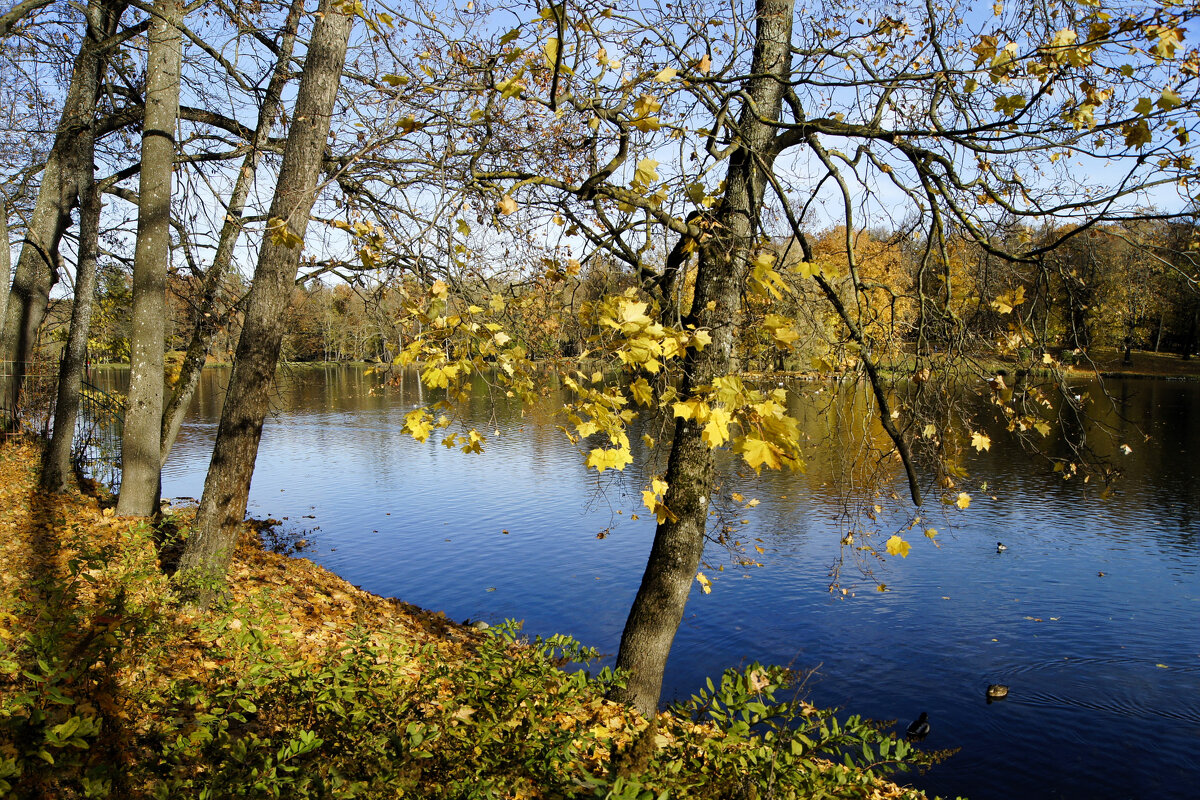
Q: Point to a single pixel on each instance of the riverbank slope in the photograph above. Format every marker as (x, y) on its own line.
(299, 684)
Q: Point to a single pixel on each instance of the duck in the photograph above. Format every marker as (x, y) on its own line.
(997, 691)
(1001, 547)
(919, 728)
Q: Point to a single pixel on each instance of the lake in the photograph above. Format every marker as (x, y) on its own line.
(1091, 616)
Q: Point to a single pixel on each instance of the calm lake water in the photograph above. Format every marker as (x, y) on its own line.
(1104, 669)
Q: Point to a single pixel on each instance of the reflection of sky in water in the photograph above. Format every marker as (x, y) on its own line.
(513, 533)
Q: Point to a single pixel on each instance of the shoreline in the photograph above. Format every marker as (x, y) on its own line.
(299, 680)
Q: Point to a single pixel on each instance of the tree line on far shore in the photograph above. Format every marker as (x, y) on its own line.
(1138, 281)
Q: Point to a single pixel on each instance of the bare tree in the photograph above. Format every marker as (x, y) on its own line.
(207, 315)
(58, 470)
(140, 457)
(59, 192)
(223, 504)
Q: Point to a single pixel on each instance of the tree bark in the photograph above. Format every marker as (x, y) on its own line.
(58, 471)
(679, 544)
(223, 503)
(57, 195)
(206, 323)
(5, 264)
(140, 461)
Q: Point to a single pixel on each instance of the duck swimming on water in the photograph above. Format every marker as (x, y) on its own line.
(1001, 547)
(997, 691)
(919, 728)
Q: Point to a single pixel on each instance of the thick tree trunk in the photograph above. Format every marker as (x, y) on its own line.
(140, 461)
(223, 504)
(678, 545)
(58, 194)
(206, 322)
(58, 471)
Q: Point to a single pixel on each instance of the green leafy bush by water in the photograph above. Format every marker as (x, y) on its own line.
(382, 719)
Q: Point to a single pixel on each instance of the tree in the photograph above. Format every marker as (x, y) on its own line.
(58, 469)
(5, 263)
(141, 460)
(724, 260)
(207, 316)
(59, 192)
(961, 120)
(227, 485)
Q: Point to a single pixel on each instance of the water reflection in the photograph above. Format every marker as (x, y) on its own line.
(1104, 669)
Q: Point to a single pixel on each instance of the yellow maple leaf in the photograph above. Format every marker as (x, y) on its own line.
(695, 409)
(716, 432)
(613, 458)
(419, 423)
(1006, 302)
(704, 582)
(281, 235)
(758, 453)
(645, 174)
(634, 316)
(646, 105)
(963, 501)
(808, 269)
(980, 441)
(898, 547)
(643, 395)
(1064, 38)
(507, 205)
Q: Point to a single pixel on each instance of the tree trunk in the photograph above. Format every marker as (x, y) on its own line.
(223, 504)
(206, 323)
(140, 460)
(5, 264)
(57, 195)
(679, 544)
(58, 471)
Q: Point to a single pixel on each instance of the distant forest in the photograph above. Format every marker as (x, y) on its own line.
(1135, 281)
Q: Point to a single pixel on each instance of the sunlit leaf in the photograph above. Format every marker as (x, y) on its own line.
(645, 174)
(898, 547)
(758, 454)
(616, 458)
(282, 235)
